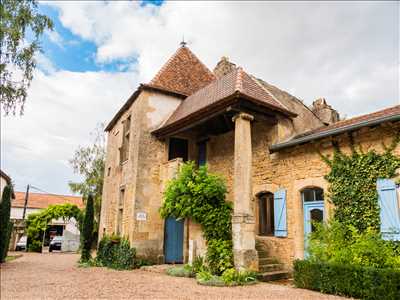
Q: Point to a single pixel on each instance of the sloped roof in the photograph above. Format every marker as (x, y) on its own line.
(39, 200)
(385, 115)
(234, 84)
(181, 76)
(183, 73)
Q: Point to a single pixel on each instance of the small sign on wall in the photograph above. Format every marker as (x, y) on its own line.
(141, 216)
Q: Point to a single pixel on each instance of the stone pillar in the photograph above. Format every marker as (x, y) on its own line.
(243, 222)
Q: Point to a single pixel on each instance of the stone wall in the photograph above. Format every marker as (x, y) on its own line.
(144, 174)
(139, 175)
(292, 169)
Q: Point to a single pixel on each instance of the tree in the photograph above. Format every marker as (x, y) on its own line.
(87, 230)
(5, 224)
(21, 27)
(89, 162)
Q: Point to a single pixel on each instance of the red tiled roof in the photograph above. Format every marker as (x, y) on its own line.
(391, 111)
(183, 73)
(385, 115)
(237, 82)
(38, 200)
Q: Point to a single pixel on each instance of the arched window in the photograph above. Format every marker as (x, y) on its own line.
(312, 194)
(266, 213)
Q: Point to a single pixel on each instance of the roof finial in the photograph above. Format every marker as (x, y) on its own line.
(183, 43)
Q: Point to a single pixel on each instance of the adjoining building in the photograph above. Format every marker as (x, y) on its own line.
(23, 205)
(4, 181)
(261, 139)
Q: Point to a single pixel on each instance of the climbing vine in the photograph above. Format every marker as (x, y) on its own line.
(37, 223)
(352, 180)
(199, 195)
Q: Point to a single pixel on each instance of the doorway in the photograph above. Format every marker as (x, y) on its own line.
(313, 208)
(173, 238)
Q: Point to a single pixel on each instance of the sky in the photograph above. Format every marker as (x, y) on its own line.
(99, 52)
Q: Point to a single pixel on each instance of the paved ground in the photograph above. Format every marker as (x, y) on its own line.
(56, 276)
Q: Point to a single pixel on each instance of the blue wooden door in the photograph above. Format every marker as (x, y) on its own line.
(313, 212)
(173, 240)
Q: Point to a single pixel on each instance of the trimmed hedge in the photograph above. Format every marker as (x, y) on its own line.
(348, 280)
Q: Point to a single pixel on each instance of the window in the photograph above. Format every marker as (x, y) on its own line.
(178, 148)
(124, 150)
(202, 154)
(120, 213)
(266, 214)
(312, 194)
(109, 171)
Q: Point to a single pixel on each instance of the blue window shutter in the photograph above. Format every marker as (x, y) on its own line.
(280, 213)
(389, 209)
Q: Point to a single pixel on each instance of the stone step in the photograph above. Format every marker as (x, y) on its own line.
(267, 261)
(273, 275)
(270, 267)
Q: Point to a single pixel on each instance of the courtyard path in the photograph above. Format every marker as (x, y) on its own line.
(56, 276)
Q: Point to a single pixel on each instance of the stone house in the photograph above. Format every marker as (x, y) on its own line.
(261, 139)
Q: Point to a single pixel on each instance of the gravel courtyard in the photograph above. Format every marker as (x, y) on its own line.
(56, 276)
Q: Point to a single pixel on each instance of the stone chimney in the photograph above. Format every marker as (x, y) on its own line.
(324, 111)
(224, 66)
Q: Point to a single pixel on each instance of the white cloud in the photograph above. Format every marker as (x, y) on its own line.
(62, 109)
(346, 52)
(56, 38)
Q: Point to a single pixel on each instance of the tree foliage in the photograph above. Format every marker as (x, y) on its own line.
(200, 196)
(21, 26)
(87, 230)
(89, 163)
(5, 224)
(37, 223)
(352, 180)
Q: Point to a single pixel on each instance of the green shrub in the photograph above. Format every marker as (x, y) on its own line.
(35, 246)
(349, 280)
(206, 278)
(87, 230)
(115, 254)
(198, 264)
(200, 196)
(5, 207)
(219, 255)
(234, 277)
(344, 244)
(185, 271)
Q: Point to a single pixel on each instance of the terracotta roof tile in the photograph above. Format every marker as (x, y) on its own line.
(391, 111)
(183, 73)
(375, 118)
(38, 200)
(235, 82)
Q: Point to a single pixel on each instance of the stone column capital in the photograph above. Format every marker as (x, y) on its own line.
(243, 116)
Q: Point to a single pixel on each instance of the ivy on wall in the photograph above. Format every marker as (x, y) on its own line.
(37, 223)
(200, 196)
(352, 180)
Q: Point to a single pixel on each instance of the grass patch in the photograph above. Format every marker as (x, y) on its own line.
(185, 271)
(12, 257)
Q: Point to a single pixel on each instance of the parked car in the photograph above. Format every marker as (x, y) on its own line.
(21, 244)
(56, 243)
